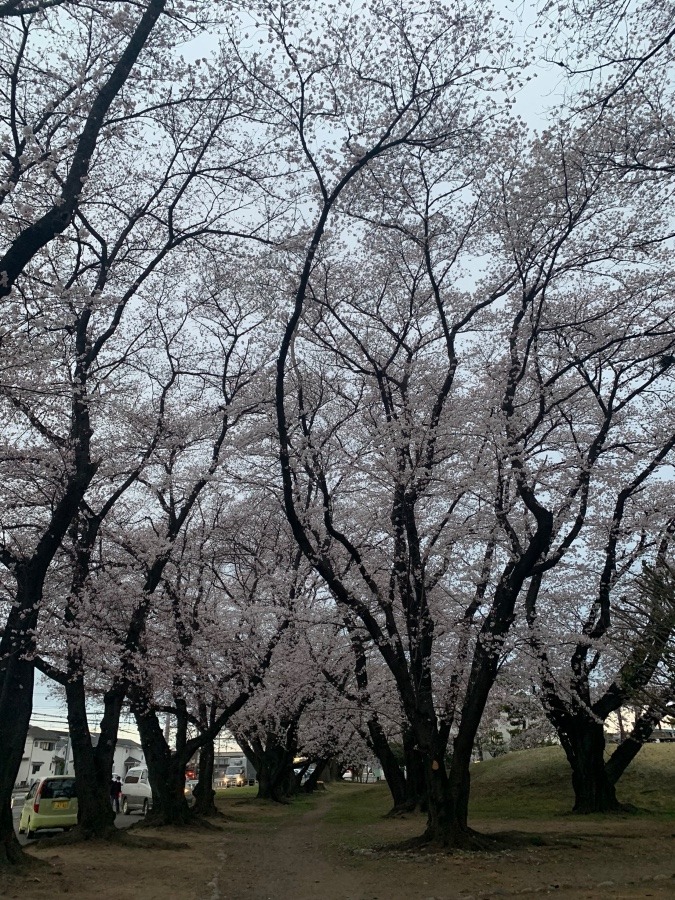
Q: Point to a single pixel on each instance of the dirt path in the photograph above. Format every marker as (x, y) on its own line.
(272, 853)
(290, 861)
(309, 858)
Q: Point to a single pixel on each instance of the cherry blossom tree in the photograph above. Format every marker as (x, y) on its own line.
(216, 399)
(153, 423)
(365, 696)
(48, 154)
(609, 47)
(333, 245)
(80, 264)
(68, 163)
(617, 651)
(365, 355)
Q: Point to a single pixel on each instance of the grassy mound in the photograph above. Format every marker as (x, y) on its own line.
(529, 784)
(537, 783)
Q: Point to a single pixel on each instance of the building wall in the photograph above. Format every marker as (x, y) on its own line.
(38, 756)
(50, 753)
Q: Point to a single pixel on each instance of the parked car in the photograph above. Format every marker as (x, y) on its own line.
(235, 776)
(236, 771)
(50, 803)
(136, 791)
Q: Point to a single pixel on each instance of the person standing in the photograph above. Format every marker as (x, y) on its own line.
(115, 791)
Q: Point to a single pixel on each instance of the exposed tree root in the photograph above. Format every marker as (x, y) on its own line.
(194, 823)
(468, 840)
(80, 835)
(205, 823)
(213, 813)
(404, 809)
(508, 839)
(459, 839)
(150, 842)
(13, 858)
(618, 809)
(127, 838)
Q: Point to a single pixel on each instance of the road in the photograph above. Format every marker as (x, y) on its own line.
(121, 821)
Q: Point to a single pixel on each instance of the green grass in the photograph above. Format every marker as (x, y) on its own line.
(358, 804)
(236, 792)
(525, 784)
(529, 784)
(537, 784)
(242, 805)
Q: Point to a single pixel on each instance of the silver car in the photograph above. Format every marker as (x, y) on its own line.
(136, 792)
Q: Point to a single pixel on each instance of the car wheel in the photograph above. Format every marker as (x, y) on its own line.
(145, 808)
(125, 807)
(29, 832)
(22, 830)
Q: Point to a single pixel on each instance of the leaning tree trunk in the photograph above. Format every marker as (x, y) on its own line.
(204, 794)
(629, 748)
(394, 777)
(315, 778)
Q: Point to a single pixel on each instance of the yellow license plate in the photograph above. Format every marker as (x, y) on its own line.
(59, 804)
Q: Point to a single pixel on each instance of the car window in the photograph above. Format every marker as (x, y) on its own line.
(144, 777)
(131, 779)
(53, 790)
(31, 792)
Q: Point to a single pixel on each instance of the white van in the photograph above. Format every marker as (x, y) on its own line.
(136, 791)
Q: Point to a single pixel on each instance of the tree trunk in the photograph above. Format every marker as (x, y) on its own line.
(204, 793)
(93, 765)
(276, 780)
(273, 760)
(626, 752)
(584, 745)
(16, 703)
(166, 772)
(315, 777)
(17, 678)
(395, 778)
(332, 771)
(440, 818)
(416, 786)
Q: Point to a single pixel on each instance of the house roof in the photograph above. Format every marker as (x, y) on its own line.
(130, 745)
(42, 734)
(125, 743)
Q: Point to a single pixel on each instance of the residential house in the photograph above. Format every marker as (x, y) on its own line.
(40, 755)
(49, 752)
